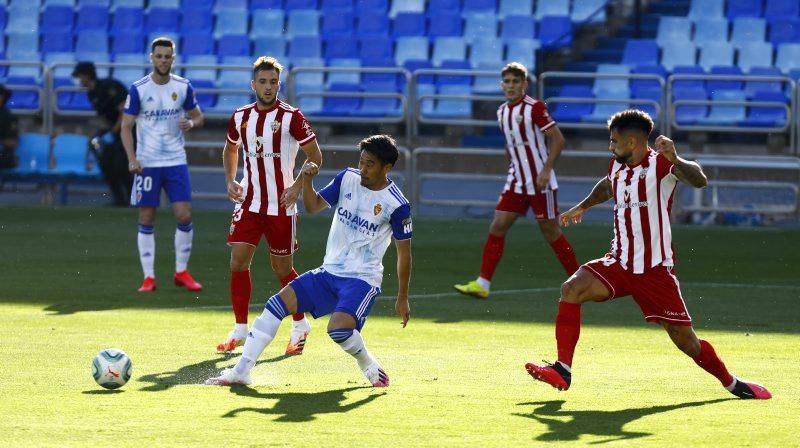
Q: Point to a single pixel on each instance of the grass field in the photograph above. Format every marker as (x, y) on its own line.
(67, 289)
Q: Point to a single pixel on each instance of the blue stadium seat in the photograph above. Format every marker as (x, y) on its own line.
(421, 64)
(161, 20)
(197, 42)
(448, 48)
(197, 21)
(689, 114)
(344, 77)
(486, 51)
(198, 74)
(311, 78)
(748, 29)
(436, 7)
(71, 100)
(206, 101)
(784, 31)
(266, 4)
(426, 105)
(338, 24)
(233, 45)
(716, 53)
(341, 47)
(647, 94)
(270, 46)
(373, 6)
(755, 54)
(612, 85)
(171, 4)
(781, 9)
(640, 52)
(234, 78)
(127, 21)
(70, 3)
(101, 3)
(127, 4)
(442, 80)
(710, 30)
(411, 48)
(678, 53)
(70, 153)
(523, 51)
(380, 107)
(647, 84)
(305, 47)
(268, 23)
(717, 84)
(128, 75)
(310, 105)
(744, 8)
(231, 21)
(58, 19)
(766, 116)
(557, 32)
(302, 23)
(342, 106)
(573, 112)
(518, 27)
(399, 6)
(22, 20)
(515, 7)
(453, 108)
(219, 5)
(371, 24)
(722, 115)
(753, 87)
(445, 25)
(33, 151)
(22, 43)
(480, 6)
(380, 78)
(92, 18)
(58, 42)
(376, 48)
(227, 103)
(701, 9)
(291, 5)
(788, 57)
(409, 24)
(63, 72)
(3, 20)
(331, 7)
(590, 11)
(552, 8)
(22, 99)
(688, 83)
(175, 37)
(91, 41)
(97, 58)
(132, 43)
(673, 30)
(479, 26)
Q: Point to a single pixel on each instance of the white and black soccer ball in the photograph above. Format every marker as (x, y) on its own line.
(111, 368)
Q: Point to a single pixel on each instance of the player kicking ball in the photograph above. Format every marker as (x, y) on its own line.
(370, 210)
(641, 182)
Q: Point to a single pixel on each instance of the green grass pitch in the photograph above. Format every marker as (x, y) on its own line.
(67, 290)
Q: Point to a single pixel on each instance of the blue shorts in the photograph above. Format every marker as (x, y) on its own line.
(147, 185)
(319, 293)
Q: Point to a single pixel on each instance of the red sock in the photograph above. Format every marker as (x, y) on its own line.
(565, 254)
(492, 253)
(240, 294)
(568, 330)
(708, 360)
(285, 281)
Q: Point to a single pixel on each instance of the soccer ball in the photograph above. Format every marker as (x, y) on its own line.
(111, 368)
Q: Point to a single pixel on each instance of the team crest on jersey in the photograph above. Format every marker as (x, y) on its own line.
(377, 209)
(275, 125)
(174, 96)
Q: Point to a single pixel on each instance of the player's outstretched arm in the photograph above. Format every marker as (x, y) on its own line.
(402, 306)
(688, 172)
(600, 193)
(126, 134)
(313, 154)
(311, 200)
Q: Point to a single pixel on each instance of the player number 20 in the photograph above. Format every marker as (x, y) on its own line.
(144, 183)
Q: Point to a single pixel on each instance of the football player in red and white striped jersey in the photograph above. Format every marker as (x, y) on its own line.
(533, 143)
(270, 133)
(642, 182)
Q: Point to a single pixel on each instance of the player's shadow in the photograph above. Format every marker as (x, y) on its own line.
(102, 392)
(191, 374)
(571, 425)
(302, 407)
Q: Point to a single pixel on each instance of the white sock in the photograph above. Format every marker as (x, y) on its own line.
(354, 345)
(240, 329)
(731, 386)
(485, 284)
(260, 335)
(147, 249)
(183, 246)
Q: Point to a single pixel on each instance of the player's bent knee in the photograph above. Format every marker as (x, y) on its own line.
(570, 291)
(341, 320)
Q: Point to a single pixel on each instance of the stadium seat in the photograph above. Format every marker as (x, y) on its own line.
(341, 47)
(266, 4)
(453, 108)
(763, 116)
(101, 3)
(479, 26)
(91, 41)
(673, 30)
(688, 83)
(444, 25)
(219, 5)
(22, 43)
(128, 75)
(309, 78)
(33, 152)
(305, 47)
(372, 24)
(58, 42)
(515, 7)
(399, 6)
(333, 7)
(235, 72)
(64, 71)
(338, 24)
(70, 3)
(161, 20)
(523, 51)
(407, 24)
(784, 31)
(58, 19)
(132, 43)
(486, 51)
(573, 112)
(647, 94)
(788, 57)
(23, 99)
(753, 87)
(725, 115)
(22, 20)
(170, 4)
(420, 64)
(718, 84)
(231, 21)
(755, 54)
(702, 9)
(270, 46)
(640, 52)
(175, 37)
(781, 9)
(380, 107)
(200, 74)
(342, 106)
(518, 27)
(227, 103)
(3, 20)
(411, 48)
(267, 23)
(710, 31)
(442, 80)
(480, 6)
(127, 4)
(744, 8)
(127, 21)
(302, 23)
(590, 11)
(552, 8)
(373, 6)
(233, 45)
(715, 53)
(689, 114)
(97, 58)
(638, 85)
(612, 85)
(448, 48)
(381, 78)
(291, 5)
(436, 7)
(557, 33)
(92, 18)
(310, 105)
(426, 105)
(70, 154)
(678, 53)
(197, 42)
(376, 48)
(748, 29)
(197, 21)
(353, 77)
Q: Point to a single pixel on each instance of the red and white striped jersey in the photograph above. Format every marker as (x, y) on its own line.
(270, 139)
(523, 124)
(643, 203)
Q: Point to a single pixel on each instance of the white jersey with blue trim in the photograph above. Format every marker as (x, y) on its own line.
(158, 109)
(364, 222)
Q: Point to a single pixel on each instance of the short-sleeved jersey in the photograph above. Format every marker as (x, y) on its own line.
(523, 124)
(106, 97)
(158, 109)
(642, 205)
(364, 222)
(270, 139)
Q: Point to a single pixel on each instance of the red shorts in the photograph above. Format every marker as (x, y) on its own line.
(280, 231)
(656, 291)
(544, 204)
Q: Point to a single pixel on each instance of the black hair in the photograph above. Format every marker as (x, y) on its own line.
(85, 68)
(631, 120)
(381, 146)
(162, 42)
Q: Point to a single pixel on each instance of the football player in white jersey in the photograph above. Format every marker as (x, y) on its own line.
(369, 211)
(158, 104)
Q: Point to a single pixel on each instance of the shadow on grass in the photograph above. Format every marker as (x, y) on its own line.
(192, 374)
(103, 391)
(302, 407)
(571, 425)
